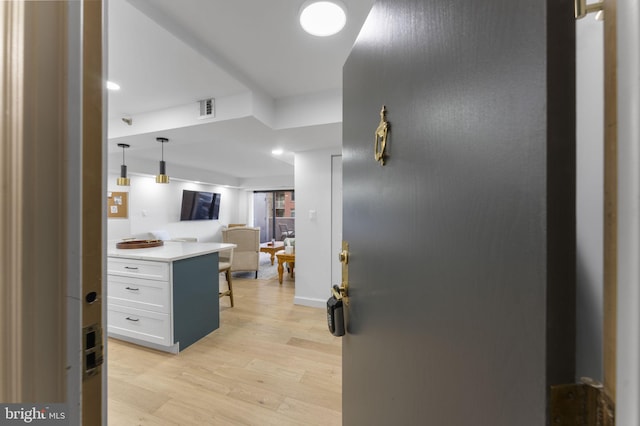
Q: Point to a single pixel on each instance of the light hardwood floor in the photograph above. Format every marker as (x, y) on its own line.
(270, 363)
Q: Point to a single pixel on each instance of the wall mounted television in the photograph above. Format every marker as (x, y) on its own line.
(199, 205)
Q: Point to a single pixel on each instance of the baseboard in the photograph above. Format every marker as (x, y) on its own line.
(307, 301)
(174, 349)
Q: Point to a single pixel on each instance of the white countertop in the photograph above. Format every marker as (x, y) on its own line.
(169, 252)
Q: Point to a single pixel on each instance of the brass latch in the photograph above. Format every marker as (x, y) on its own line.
(581, 404)
(339, 293)
(342, 292)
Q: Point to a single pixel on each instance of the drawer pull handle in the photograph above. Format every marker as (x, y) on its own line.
(132, 319)
(134, 268)
(133, 289)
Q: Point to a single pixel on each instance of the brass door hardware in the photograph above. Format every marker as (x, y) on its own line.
(381, 137)
(338, 292)
(342, 292)
(336, 317)
(582, 8)
(343, 256)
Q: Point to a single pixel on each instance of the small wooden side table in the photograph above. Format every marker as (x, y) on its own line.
(290, 259)
(272, 248)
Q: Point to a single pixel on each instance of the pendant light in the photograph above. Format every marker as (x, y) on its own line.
(123, 180)
(162, 177)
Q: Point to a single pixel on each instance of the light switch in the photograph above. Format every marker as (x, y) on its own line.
(313, 215)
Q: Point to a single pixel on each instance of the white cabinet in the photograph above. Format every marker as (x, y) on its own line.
(147, 326)
(138, 268)
(151, 295)
(139, 300)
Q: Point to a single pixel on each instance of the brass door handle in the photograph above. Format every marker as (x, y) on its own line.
(339, 292)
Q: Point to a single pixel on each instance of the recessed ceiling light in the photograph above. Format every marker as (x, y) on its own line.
(113, 86)
(323, 18)
(277, 151)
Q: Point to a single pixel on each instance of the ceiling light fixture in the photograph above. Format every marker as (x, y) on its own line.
(113, 86)
(323, 18)
(277, 151)
(123, 180)
(162, 177)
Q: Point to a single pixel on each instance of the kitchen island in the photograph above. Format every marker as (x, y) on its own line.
(163, 297)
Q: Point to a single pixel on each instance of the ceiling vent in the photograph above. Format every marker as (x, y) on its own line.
(207, 108)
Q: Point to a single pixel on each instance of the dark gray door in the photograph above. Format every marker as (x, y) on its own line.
(462, 246)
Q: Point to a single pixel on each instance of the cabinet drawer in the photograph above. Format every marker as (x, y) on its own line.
(138, 268)
(139, 324)
(137, 293)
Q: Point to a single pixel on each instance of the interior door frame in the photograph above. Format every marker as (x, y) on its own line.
(33, 302)
(627, 358)
(52, 213)
(93, 196)
(610, 267)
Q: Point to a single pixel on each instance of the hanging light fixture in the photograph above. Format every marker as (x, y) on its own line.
(162, 177)
(123, 180)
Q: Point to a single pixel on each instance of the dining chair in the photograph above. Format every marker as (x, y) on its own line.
(224, 265)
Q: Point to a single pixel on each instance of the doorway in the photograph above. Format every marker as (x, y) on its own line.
(274, 212)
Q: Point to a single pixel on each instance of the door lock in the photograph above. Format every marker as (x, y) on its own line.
(343, 289)
(343, 256)
(339, 296)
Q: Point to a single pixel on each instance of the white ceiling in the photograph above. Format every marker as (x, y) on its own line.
(274, 85)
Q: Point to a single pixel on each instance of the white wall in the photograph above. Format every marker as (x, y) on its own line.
(309, 110)
(589, 196)
(313, 227)
(267, 183)
(155, 206)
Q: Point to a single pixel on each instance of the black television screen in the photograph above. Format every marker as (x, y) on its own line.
(199, 205)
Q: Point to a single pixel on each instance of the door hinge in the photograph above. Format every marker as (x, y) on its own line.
(581, 404)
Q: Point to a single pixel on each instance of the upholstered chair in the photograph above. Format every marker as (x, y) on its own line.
(246, 255)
